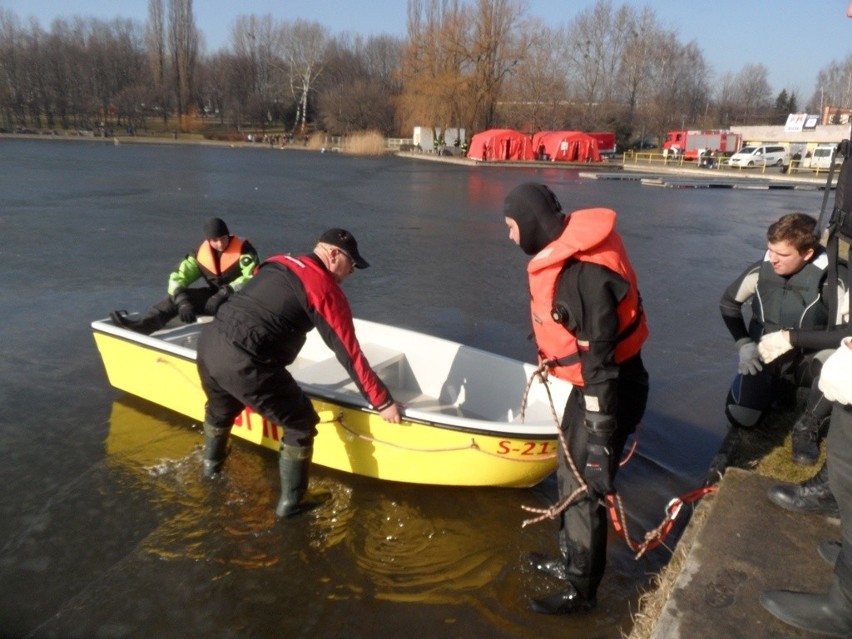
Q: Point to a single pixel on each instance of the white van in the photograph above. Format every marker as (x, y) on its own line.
(765, 155)
(821, 157)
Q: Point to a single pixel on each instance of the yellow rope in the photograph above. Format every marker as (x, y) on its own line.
(338, 419)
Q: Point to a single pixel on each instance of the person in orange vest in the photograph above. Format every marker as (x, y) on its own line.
(589, 328)
(224, 262)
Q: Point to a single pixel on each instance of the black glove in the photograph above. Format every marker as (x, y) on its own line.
(187, 314)
(216, 300)
(185, 310)
(600, 465)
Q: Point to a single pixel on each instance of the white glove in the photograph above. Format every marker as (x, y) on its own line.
(772, 346)
(835, 378)
(749, 358)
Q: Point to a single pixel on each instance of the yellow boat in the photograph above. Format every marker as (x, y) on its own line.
(463, 424)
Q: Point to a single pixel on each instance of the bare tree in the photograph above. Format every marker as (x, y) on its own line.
(359, 85)
(155, 37)
(678, 85)
(753, 94)
(642, 33)
(495, 49)
(304, 49)
(536, 95)
(258, 44)
(597, 39)
(434, 89)
(725, 99)
(834, 86)
(213, 84)
(382, 58)
(13, 69)
(183, 44)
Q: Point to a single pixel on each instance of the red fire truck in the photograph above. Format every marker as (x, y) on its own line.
(689, 143)
(606, 142)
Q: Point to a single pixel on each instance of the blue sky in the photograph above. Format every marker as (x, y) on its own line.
(794, 39)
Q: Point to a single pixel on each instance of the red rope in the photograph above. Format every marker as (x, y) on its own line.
(656, 536)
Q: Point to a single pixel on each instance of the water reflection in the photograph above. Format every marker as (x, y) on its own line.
(373, 540)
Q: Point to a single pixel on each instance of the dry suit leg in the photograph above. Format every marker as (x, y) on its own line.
(749, 397)
(583, 525)
(840, 481)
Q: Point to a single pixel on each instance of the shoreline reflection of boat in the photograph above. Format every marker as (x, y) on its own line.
(462, 425)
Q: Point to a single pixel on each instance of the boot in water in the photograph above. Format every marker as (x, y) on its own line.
(563, 602)
(215, 449)
(556, 568)
(294, 464)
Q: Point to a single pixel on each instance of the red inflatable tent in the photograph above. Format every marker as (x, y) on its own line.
(565, 146)
(500, 144)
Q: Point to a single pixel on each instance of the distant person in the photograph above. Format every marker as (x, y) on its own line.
(589, 328)
(223, 261)
(788, 307)
(829, 613)
(244, 352)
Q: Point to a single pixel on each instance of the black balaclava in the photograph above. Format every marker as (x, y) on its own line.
(538, 214)
(215, 227)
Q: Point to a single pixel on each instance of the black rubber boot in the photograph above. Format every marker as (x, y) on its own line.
(828, 613)
(294, 464)
(805, 438)
(563, 602)
(147, 325)
(811, 496)
(215, 448)
(556, 568)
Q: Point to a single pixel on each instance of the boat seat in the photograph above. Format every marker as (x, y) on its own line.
(430, 404)
(329, 372)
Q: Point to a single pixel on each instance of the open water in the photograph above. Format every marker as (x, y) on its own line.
(106, 529)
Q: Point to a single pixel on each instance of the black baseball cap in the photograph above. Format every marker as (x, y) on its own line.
(345, 241)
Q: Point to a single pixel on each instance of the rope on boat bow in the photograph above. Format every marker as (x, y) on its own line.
(613, 502)
(338, 419)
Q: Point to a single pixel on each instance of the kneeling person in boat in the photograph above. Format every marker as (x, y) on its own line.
(244, 352)
(223, 261)
(589, 328)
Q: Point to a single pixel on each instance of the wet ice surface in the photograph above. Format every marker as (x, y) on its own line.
(108, 529)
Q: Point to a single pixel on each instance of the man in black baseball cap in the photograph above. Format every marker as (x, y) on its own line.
(346, 242)
(243, 355)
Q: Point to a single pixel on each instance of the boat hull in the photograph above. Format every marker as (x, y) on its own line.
(427, 448)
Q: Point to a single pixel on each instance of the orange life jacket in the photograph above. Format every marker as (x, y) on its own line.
(589, 236)
(223, 268)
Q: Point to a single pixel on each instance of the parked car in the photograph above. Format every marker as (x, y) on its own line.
(821, 157)
(765, 155)
(640, 145)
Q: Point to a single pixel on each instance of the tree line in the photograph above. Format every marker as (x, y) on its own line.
(475, 64)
